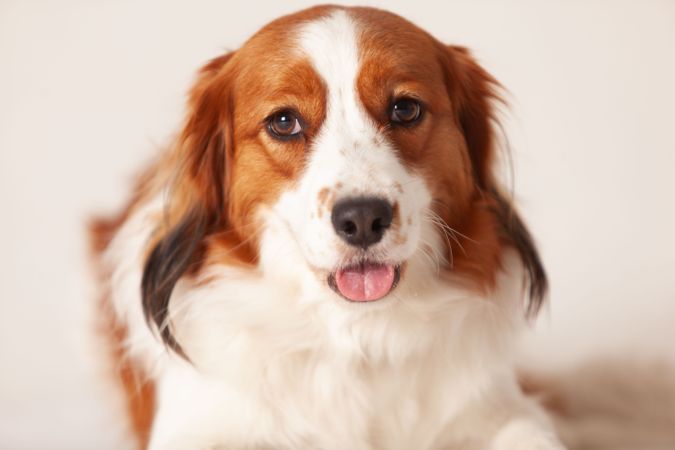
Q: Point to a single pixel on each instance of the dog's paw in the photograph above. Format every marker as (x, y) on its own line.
(524, 434)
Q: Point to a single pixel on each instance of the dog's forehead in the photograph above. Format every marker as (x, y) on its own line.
(335, 40)
(331, 43)
(355, 60)
(367, 43)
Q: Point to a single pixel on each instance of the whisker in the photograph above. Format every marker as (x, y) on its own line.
(438, 220)
(434, 259)
(434, 214)
(447, 240)
(221, 253)
(448, 230)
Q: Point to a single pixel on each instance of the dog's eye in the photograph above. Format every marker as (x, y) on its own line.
(406, 111)
(284, 124)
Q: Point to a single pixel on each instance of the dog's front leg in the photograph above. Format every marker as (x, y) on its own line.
(524, 433)
(178, 422)
(521, 423)
(503, 418)
(188, 412)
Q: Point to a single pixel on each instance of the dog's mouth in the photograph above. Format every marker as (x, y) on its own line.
(366, 281)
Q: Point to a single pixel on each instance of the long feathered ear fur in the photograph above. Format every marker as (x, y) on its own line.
(474, 93)
(197, 200)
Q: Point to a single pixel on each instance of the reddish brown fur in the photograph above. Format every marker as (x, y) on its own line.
(225, 164)
(138, 389)
(452, 146)
(205, 168)
(233, 96)
(139, 392)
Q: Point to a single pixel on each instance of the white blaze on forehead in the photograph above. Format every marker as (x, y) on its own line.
(348, 148)
(329, 40)
(331, 43)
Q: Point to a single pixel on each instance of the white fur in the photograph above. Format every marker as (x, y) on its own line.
(349, 156)
(279, 361)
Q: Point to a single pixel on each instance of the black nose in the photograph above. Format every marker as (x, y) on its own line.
(361, 221)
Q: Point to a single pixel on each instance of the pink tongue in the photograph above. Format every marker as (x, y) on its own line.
(365, 282)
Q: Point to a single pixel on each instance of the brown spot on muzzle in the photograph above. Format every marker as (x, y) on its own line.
(395, 216)
(326, 200)
(398, 236)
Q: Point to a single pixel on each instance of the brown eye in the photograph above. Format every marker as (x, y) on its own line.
(284, 125)
(406, 111)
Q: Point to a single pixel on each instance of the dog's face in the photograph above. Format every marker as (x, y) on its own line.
(373, 156)
(362, 137)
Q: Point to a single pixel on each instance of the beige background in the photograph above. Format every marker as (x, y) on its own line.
(88, 90)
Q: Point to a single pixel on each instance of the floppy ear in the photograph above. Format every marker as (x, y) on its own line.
(197, 198)
(474, 93)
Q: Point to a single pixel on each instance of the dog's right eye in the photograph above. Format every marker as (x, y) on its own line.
(406, 111)
(284, 125)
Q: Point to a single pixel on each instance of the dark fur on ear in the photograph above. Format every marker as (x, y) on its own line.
(474, 93)
(197, 204)
(516, 233)
(171, 257)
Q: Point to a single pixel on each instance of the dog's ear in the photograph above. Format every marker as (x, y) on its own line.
(197, 198)
(205, 143)
(474, 93)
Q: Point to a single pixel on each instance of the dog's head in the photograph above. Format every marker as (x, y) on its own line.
(353, 136)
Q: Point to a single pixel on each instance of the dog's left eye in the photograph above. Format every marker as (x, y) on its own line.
(284, 124)
(406, 111)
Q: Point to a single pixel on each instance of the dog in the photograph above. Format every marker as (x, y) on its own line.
(324, 258)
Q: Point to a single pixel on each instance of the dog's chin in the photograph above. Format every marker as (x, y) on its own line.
(366, 281)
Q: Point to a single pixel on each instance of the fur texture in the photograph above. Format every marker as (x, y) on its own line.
(216, 273)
